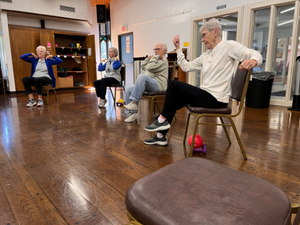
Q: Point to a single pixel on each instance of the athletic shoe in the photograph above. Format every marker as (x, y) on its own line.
(132, 118)
(156, 141)
(131, 106)
(31, 102)
(40, 103)
(102, 103)
(156, 126)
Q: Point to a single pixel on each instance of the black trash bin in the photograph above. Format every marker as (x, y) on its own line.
(259, 90)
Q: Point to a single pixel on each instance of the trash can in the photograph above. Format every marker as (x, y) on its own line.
(296, 96)
(137, 67)
(259, 89)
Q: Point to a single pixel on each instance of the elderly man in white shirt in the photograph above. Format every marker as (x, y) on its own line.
(217, 65)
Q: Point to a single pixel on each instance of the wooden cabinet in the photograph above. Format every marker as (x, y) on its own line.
(79, 61)
(180, 74)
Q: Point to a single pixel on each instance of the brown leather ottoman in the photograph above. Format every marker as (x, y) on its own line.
(198, 191)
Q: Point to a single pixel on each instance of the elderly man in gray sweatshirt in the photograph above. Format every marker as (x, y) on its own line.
(154, 79)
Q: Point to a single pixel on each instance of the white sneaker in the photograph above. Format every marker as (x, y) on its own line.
(31, 102)
(132, 106)
(102, 103)
(40, 103)
(132, 118)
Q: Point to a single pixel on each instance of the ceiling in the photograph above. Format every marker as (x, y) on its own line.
(100, 2)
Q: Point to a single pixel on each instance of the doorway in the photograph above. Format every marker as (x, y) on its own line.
(126, 55)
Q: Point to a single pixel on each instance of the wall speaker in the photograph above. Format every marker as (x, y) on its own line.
(101, 14)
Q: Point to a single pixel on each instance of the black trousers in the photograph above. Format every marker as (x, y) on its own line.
(102, 84)
(180, 94)
(38, 83)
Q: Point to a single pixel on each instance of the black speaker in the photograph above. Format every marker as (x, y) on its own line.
(101, 14)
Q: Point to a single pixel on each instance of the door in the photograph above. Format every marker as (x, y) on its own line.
(92, 74)
(126, 55)
(20, 47)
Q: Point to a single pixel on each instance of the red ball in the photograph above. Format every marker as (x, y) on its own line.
(198, 141)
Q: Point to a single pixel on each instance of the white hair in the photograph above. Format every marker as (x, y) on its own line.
(211, 25)
(41, 47)
(114, 50)
(163, 45)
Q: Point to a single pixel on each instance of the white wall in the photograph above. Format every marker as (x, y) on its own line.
(90, 26)
(160, 27)
(50, 8)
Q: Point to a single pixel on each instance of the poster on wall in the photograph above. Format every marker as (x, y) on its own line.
(127, 40)
(128, 48)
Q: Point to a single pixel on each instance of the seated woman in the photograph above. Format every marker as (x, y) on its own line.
(112, 75)
(154, 79)
(217, 64)
(41, 74)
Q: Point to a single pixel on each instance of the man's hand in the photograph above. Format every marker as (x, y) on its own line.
(176, 42)
(150, 56)
(248, 64)
(161, 57)
(34, 55)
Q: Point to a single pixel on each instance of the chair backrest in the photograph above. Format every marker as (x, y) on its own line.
(239, 84)
(171, 71)
(123, 74)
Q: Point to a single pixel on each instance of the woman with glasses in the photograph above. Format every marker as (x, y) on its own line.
(41, 74)
(217, 65)
(154, 79)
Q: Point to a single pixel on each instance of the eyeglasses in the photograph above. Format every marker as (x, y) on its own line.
(156, 49)
(203, 35)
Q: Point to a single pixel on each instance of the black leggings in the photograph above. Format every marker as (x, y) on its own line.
(102, 84)
(36, 82)
(180, 94)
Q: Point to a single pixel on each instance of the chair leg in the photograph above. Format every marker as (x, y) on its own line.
(55, 94)
(238, 138)
(47, 95)
(132, 220)
(151, 109)
(194, 136)
(112, 95)
(115, 95)
(226, 132)
(186, 127)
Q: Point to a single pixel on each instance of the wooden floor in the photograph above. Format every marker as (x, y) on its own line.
(72, 163)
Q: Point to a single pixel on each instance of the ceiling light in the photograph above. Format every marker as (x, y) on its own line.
(289, 21)
(290, 9)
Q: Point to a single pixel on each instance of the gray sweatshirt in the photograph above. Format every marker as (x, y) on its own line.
(110, 72)
(158, 70)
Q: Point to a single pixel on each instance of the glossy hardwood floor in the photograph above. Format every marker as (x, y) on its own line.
(72, 163)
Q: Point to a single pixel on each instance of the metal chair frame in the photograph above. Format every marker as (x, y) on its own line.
(153, 98)
(221, 116)
(48, 86)
(122, 84)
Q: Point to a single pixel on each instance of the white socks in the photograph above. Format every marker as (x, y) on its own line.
(159, 135)
(160, 120)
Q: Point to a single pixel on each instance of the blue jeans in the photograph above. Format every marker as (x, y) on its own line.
(135, 92)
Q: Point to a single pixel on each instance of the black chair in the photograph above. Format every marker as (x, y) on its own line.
(122, 84)
(239, 87)
(159, 94)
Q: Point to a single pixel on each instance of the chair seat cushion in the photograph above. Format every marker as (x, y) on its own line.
(198, 191)
(153, 93)
(200, 110)
(115, 85)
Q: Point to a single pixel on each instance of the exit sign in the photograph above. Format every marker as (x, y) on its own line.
(221, 7)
